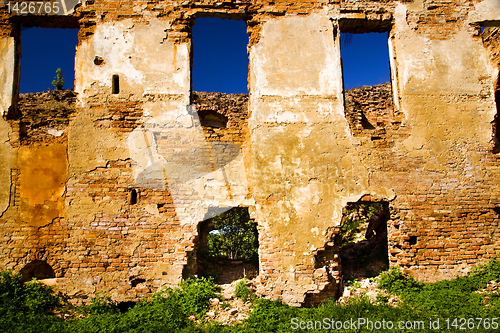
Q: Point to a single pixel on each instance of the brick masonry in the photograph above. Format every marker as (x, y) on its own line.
(295, 151)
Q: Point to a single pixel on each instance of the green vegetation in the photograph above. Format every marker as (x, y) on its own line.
(242, 291)
(349, 228)
(168, 311)
(235, 236)
(448, 298)
(32, 307)
(58, 81)
(27, 307)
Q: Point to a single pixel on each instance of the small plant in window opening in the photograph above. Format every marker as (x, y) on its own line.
(58, 81)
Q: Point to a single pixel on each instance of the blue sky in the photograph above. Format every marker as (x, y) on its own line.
(220, 60)
(43, 52)
(366, 60)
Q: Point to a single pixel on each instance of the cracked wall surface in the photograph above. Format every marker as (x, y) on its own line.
(296, 150)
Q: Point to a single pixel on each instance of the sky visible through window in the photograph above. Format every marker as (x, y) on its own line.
(365, 59)
(43, 52)
(220, 60)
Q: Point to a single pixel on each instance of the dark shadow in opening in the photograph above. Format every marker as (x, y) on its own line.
(38, 269)
(366, 123)
(125, 306)
(212, 119)
(133, 197)
(363, 257)
(115, 84)
(136, 281)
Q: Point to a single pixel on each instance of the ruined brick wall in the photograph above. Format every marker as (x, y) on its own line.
(110, 192)
(124, 236)
(45, 116)
(223, 116)
(371, 114)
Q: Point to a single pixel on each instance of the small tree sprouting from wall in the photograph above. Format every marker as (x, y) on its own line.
(234, 236)
(58, 81)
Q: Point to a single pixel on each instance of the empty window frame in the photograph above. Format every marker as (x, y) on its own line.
(43, 51)
(220, 59)
(365, 59)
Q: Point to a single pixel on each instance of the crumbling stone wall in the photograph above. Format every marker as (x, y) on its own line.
(113, 203)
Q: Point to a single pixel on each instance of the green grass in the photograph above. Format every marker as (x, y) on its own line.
(31, 307)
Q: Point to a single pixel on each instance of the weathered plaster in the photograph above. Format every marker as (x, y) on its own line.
(43, 175)
(487, 11)
(281, 71)
(140, 54)
(7, 156)
(300, 143)
(7, 71)
(90, 147)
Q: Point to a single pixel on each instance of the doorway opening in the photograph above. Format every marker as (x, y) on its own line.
(228, 245)
(364, 247)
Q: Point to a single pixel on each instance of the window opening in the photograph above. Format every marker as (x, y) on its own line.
(43, 51)
(363, 233)
(46, 100)
(228, 246)
(365, 59)
(368, 93)
(220, 60)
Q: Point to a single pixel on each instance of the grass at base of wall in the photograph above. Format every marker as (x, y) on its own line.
(470, 303)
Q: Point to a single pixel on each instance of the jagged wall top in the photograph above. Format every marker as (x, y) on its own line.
(353, 15)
